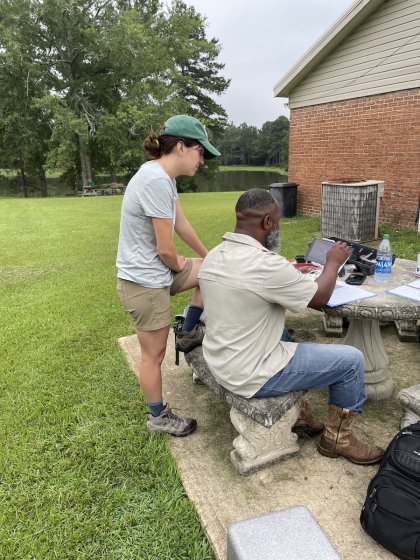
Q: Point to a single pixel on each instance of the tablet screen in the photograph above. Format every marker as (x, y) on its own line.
(318, 250)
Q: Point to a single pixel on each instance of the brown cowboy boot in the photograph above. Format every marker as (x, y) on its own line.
(338, 439)
(306, 425)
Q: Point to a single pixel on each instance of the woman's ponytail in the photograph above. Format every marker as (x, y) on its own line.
(156, 146)
(153, 146)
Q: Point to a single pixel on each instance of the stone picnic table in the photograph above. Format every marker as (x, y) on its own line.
(87, 190)
(111, 188)
(105, 189)
(364, 333)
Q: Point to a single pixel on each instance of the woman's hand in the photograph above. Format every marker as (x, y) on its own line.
(182, 261)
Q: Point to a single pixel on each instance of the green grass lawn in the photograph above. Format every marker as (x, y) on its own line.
(79, 476)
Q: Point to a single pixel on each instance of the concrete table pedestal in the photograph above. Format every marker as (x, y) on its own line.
(365, 336)
(363, 333)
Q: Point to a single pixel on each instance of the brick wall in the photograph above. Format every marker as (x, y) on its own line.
(374, 137)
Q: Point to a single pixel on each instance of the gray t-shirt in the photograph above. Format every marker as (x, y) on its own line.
(151, 193)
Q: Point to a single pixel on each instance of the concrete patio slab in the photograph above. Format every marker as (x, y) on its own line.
(333, 489)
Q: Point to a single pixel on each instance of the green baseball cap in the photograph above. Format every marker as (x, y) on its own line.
(189, 127)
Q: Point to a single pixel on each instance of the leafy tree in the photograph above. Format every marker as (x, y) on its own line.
(24, 129)
(273, 141)
(196, 71)
(247, 145)
(228, 145)
(106, 73)
(247, 138)
(74, 39)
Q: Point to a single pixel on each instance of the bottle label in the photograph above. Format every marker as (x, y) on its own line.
(383, 265)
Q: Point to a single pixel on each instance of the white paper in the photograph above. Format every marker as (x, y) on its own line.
(344, 293)
(407, 291)
(414, 284)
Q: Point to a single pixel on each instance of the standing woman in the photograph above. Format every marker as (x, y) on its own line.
(149, 268)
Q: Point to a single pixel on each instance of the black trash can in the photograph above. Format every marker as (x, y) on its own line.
(286, 195)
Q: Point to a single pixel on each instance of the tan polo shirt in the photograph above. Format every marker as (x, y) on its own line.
(246, 290)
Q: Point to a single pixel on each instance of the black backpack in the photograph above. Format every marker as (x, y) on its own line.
(391, 512)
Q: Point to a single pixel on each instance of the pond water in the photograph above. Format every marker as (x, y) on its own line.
(240, 180)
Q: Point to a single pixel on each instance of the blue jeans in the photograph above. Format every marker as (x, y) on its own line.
(313, 366)
(285, 337)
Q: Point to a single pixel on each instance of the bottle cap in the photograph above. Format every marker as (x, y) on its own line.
(386, 236)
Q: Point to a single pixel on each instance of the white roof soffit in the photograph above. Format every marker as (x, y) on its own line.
(339, 30)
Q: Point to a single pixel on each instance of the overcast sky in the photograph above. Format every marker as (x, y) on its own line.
(261, 40)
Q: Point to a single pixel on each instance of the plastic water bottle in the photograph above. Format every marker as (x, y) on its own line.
(383, 260)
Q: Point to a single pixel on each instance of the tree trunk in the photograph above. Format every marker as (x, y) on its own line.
(22, 174)
(43, 185)
(113, 174)
(85, 162)
(77, 183)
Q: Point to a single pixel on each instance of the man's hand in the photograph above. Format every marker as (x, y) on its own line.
(339, 253)
(336, 256)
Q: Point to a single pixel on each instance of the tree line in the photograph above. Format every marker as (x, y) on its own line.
(248, 145)
(83, 82)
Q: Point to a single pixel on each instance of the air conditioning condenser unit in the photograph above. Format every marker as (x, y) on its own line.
(351, 210)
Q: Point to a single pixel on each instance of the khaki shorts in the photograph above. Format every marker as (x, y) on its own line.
(150, 308)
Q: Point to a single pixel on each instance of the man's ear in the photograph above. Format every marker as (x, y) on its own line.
(267, 222)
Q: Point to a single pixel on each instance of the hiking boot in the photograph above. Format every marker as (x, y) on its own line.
(169, 423)
(307, 425)
(338, 439)
(185, 341)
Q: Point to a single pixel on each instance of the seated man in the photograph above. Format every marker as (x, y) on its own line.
(247, 287)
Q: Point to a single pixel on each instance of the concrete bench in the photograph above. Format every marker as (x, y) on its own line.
(410, 402)
(264, 425)
(291, 534)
